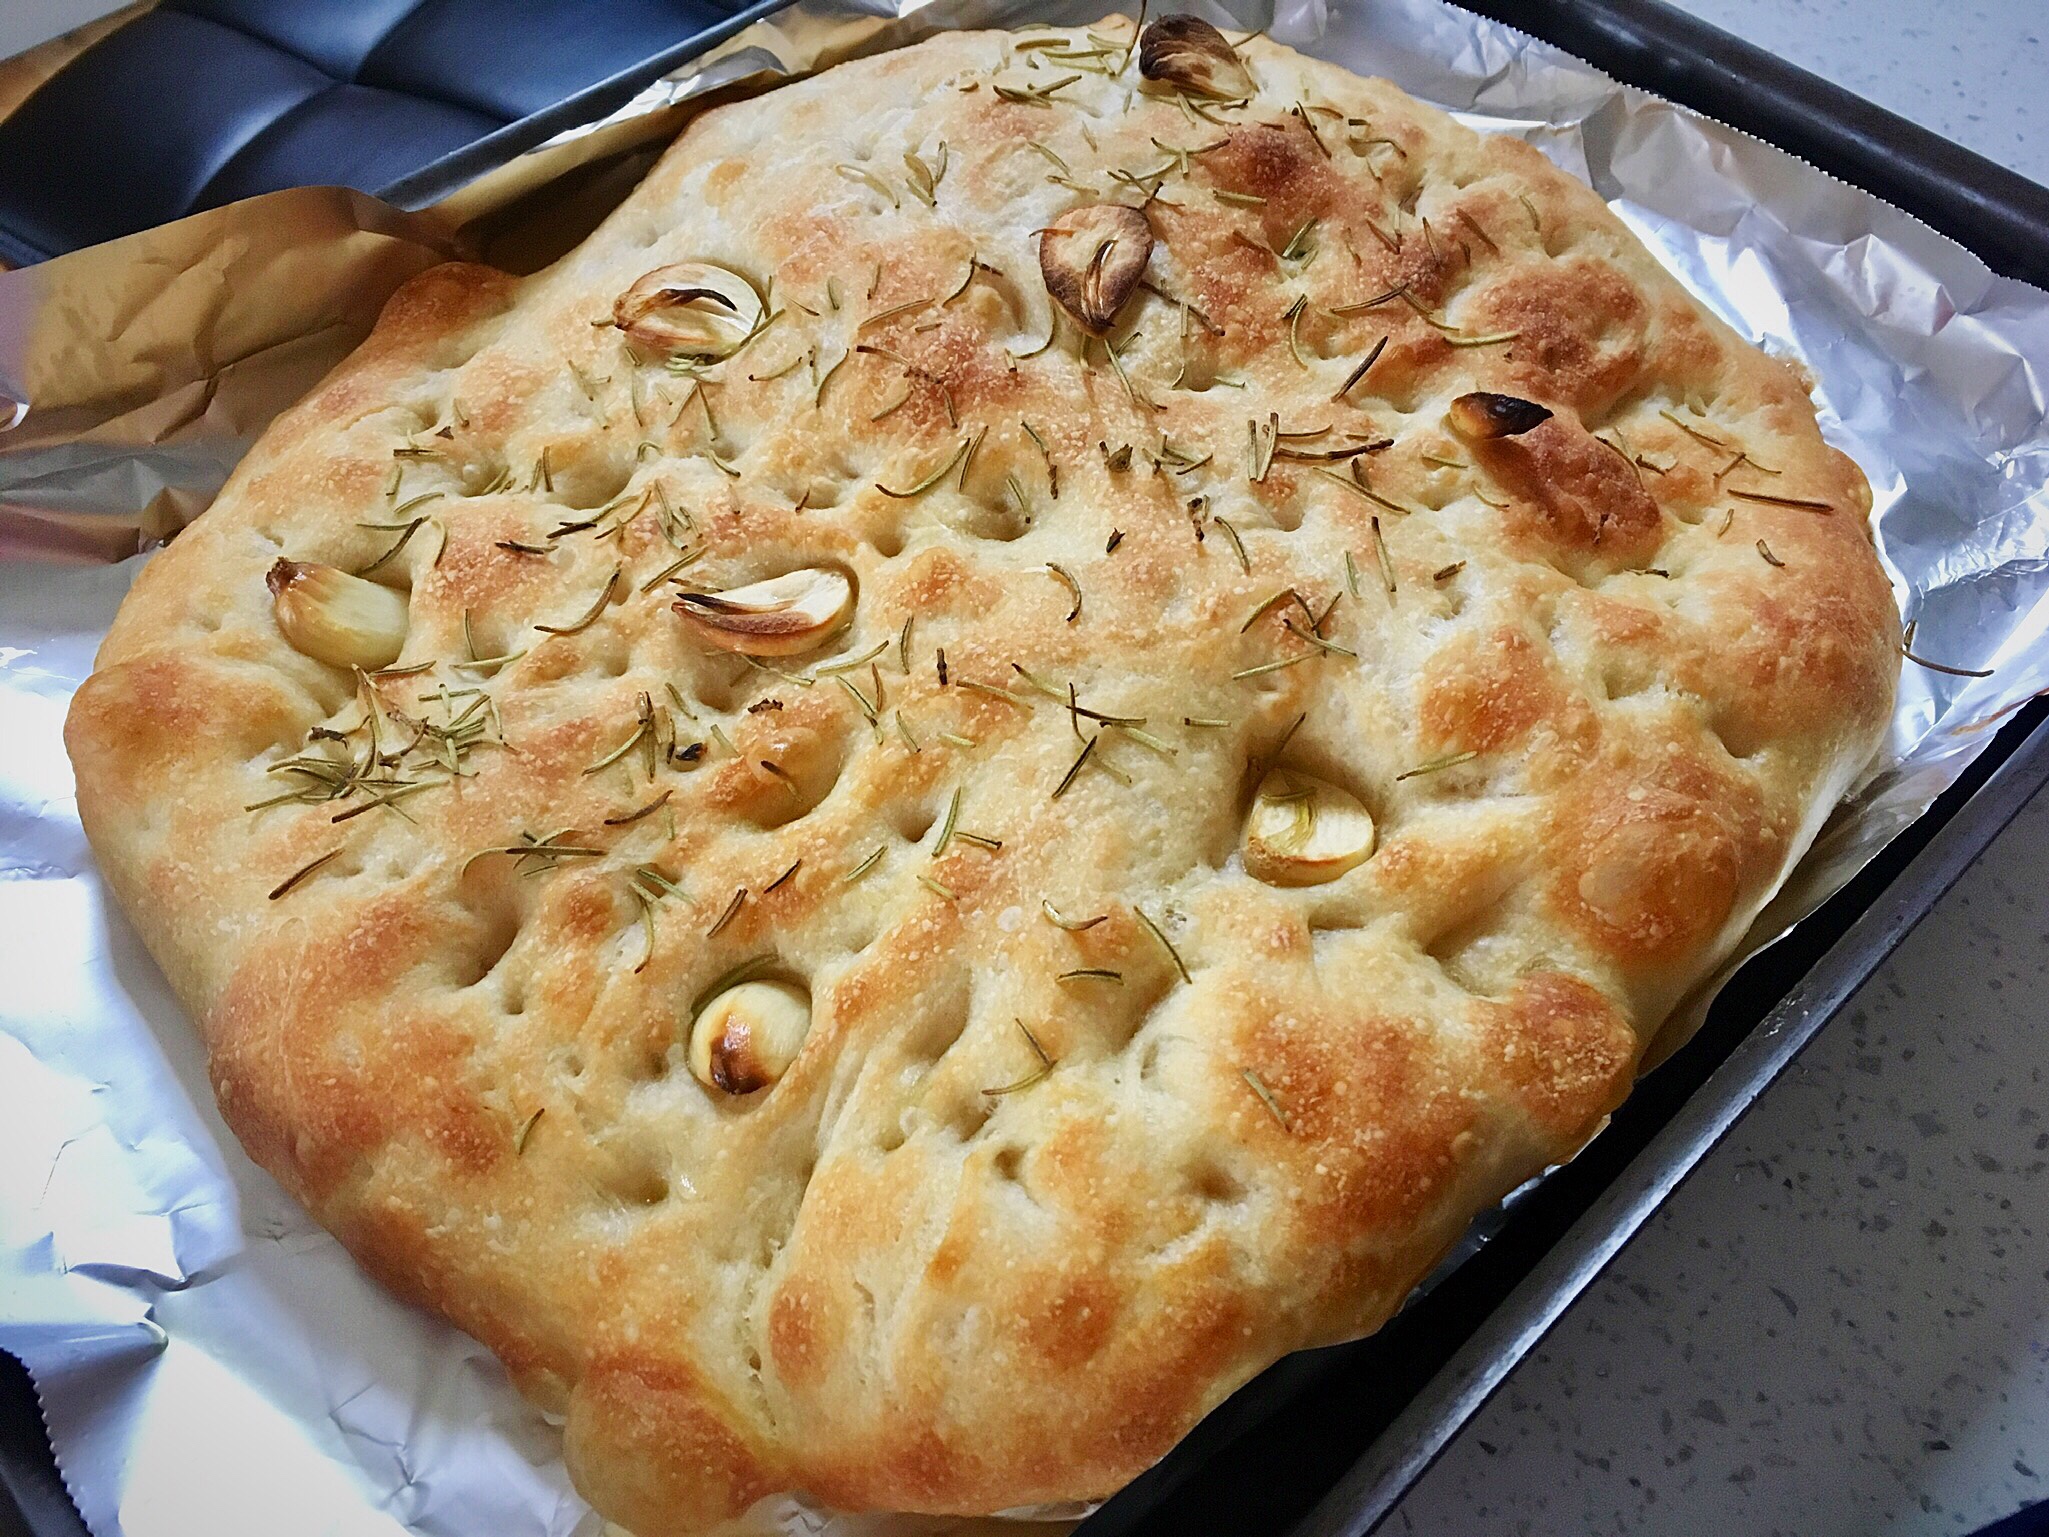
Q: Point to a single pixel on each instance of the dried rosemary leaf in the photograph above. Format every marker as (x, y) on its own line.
(951, 822)
(1359, 373)
(1436, 765)
(732, 911)
(641, 811)
(1066, 578)
(302, 872)
(1072, 925)
(1782, 501)
(935, 477)
(1237, 544)
(1165, 943)
(1266, 1098)
(1380, 552)
(597, 608)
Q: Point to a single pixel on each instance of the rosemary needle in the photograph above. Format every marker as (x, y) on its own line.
(1165, 943)
(301, 873)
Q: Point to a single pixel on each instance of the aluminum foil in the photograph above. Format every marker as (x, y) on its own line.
(208, 1359)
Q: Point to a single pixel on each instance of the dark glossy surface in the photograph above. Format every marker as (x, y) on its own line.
(201, 102)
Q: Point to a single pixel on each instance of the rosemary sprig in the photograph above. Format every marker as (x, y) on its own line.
(871, 181)
(641, 811)
(1071, 925)
(404, 537)
(1237, 544)
(1074, 769)
(731, 912)
(994, 691)
(936, 476)
(952, 821)
(1266, 1098)
(597, 608)
(302, 872)
(1165, 943)
(1782, 501)
(1437, 765)
(1692, 432)
(1267, 667)
(1066, 579)
(1052, 468)
(1359, 373)
(1044, 1068)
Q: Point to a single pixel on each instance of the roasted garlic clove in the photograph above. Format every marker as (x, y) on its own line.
(1189, 54)
(1092, 259)
(1303, 831)
(689, 309)
(746, 1037)
(337, 618)
(778, 617)
(1484, 414)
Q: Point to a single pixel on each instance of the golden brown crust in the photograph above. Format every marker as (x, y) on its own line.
(1596, 683)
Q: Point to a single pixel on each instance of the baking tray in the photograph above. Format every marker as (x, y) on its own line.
(1325, 1443)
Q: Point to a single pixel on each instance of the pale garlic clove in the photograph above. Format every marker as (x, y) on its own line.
(777, 617)
(337, 618)
(1484, 414)
(1092, 260)
(689, 309)
(1304, 831)
(1190, 55)
(746, 1037)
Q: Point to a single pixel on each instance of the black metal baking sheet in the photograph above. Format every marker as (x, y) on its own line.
(1325, 1443)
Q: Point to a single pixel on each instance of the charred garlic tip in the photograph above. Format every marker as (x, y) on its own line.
(1484, 414)
(778, 617)
(689, 309)
(337, 618)
(1092, 260)
(746, 1037)
(1303, 831)
(1189, 54)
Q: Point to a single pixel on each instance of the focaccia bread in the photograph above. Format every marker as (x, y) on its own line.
(990, 762)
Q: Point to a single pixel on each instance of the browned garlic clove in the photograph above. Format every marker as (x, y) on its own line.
(689, 309)
(1304, 831)
(777, 617)
(1092, 259)
(337, 618)
(1484, 414)
(1189, 54)
(746, 1037)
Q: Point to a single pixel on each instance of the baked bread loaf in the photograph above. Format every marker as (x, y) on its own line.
(991, 762)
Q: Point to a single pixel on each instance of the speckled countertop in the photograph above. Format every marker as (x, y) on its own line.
(1840, 1324)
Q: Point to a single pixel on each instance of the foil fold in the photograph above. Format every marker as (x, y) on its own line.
(206, 1356)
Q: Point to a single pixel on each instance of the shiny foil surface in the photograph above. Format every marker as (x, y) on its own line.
(209, 1359)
